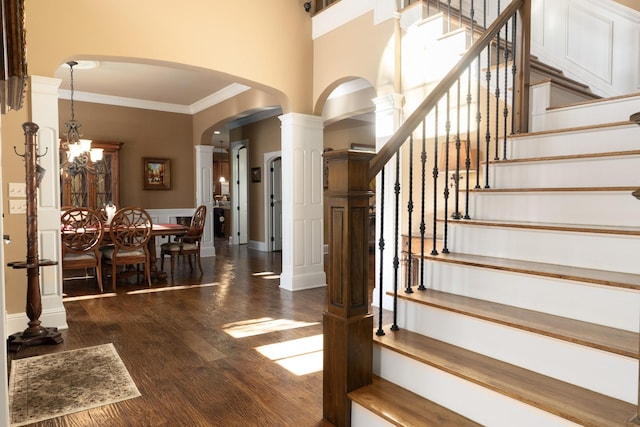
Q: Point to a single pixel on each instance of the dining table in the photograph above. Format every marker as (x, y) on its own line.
(162, 230)
(157, 230)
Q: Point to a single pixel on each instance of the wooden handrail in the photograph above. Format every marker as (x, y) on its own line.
(413, 121)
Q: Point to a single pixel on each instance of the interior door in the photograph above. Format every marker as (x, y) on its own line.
(241, 201)
(276, 204)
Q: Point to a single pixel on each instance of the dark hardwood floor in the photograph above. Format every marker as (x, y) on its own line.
(192, 345)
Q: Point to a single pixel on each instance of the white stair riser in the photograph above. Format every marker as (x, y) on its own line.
(604, 305)
(586, 250)
(610, 171)
(597, 370)
(484, 406)
(602, 112)
(362, 417)
(599, 140)
(615, 208)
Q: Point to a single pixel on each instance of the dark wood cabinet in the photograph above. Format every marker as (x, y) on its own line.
(96, 186)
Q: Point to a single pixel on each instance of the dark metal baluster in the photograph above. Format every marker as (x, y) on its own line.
(497, 91)
(487, 135)
(460, 14)
(467, 161)
(514, 69)
(456, 186)
(505, 110)
(396, 244)
(423, 161)
(478, 113)
(434, 251)
(408, 289)
(380, 331)
(445, 249)
(448, 16)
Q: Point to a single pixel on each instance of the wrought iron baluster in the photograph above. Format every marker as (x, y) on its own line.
(478, 112)
(396, 259)
(456, 184)
(434, 251)
(505, 110)
(423, 161)
(497, 92)
(514, 69)
(408, 289)
(380, 331)
(487, 135)
(445, 249)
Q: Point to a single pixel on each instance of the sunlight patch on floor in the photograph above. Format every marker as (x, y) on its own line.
(264, 325)
(268, 275)
(88, 297)
(300, 356)
(170, 288)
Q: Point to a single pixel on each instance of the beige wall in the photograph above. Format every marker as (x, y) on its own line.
(266, 44)
(145, 133)
(353, 50)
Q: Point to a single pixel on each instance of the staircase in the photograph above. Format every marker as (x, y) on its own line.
(532, 319)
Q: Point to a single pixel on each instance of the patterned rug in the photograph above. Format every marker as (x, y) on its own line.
(49, 386)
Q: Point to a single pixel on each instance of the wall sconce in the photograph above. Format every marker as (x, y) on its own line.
(307, 6)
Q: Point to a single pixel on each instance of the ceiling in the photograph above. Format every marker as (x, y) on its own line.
(154, 87)
(162, 87)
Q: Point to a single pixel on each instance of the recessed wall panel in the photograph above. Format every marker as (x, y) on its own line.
(590, 41)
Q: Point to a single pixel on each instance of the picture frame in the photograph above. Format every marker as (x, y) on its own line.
(256, 175)
(156, 174)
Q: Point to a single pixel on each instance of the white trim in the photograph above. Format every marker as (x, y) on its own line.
(206, 102)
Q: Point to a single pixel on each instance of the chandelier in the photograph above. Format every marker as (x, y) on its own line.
(80, 157)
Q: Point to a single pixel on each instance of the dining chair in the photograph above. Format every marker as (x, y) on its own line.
(187, 244)
(82, 232)
(129, 232)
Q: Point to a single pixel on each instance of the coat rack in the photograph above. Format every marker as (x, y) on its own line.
(35, 334)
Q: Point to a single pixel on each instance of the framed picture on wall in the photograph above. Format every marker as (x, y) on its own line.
(156, 174)
(256, 175)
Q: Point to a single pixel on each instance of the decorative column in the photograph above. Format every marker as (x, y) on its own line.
(302, 204)
(348, 321)
(204, 194)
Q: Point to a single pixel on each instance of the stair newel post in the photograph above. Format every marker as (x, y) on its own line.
(522, 47)
(348, 320)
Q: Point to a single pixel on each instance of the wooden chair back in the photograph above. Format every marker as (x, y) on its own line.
(82, 232)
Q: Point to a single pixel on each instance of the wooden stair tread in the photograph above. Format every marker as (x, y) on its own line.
(598, 229)
(567, 157)
(587, 275)
(571, 402)
(401, 407)
(586, 128)
(624, 343)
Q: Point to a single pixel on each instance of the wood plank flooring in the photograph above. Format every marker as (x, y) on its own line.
(191, 345)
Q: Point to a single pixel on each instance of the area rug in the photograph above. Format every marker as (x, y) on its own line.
(49, 386)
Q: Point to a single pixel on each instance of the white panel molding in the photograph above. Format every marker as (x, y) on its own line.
(590, 41)
(612, 74)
